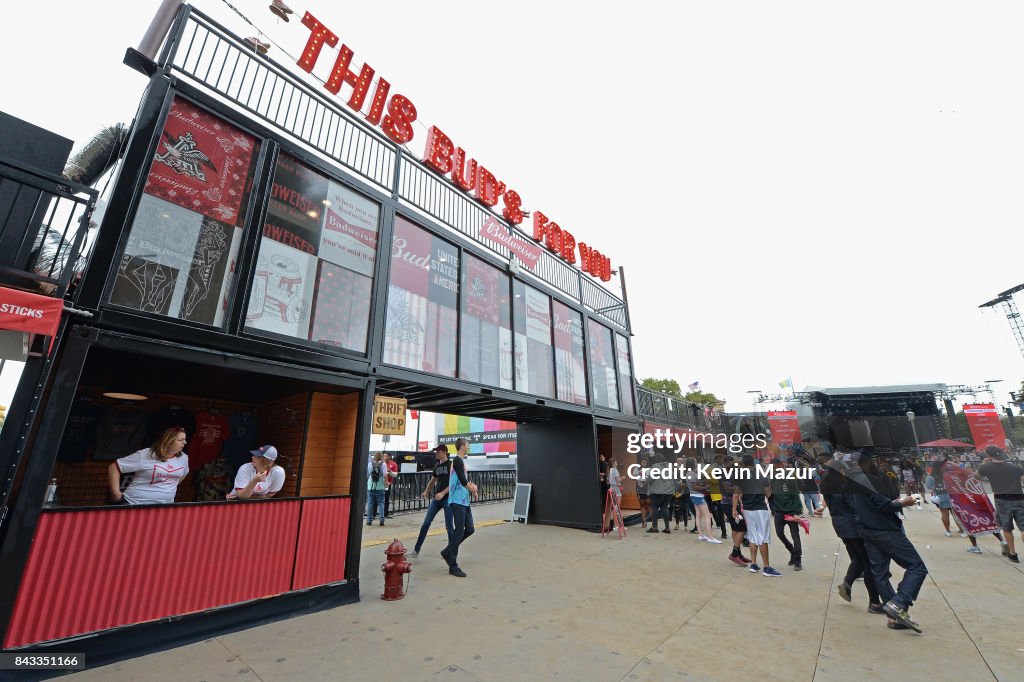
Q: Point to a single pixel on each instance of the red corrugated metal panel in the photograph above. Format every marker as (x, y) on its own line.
(323, 539)
(93, 570)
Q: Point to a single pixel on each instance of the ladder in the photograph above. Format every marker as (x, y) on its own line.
(611, 508)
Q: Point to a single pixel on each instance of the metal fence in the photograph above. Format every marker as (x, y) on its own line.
(44, 221)
(660, 407)
(493, 486)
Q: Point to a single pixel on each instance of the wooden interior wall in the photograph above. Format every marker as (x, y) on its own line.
(611, 444)
(330, 444)
(85, 483)
(283, 425)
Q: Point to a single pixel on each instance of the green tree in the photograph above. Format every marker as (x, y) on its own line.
(703, 398)
(670, 386)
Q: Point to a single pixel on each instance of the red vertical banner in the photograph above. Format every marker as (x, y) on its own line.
(785, 427)
(986, 429)
(970, 503)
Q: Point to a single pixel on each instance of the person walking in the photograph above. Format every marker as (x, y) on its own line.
(808, 487)
(736, 522)
(376, 472)
(1006, 479)
(615, 487)
(877, 510)
(392, 478)
(460, 490)
(699, 490)
(437, 492)
(714, 496)
(786, 502)
(836, 488)
(643, 493)
(750, 500)
(935, 487)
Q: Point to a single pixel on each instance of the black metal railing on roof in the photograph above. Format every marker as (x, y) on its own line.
(44, 223)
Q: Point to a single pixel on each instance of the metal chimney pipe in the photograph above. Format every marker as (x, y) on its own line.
(158, 28)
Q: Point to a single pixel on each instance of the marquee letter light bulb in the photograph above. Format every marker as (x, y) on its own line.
(568, 252)
(554, 238)
(540, 226)
(318, 35)
(584, 257)
(460, 176)
(341, 73)
(380, 97)
(513, 211)
(438, 151)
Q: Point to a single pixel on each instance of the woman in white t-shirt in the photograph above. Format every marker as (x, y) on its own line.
(156, 470)
(259, 479)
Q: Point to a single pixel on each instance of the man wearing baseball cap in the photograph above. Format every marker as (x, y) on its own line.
(437, 492)
(1006, 479)
(259, 479)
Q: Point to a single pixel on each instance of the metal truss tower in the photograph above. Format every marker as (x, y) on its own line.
(1005, 299)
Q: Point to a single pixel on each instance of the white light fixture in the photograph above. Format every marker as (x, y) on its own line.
(117, 395)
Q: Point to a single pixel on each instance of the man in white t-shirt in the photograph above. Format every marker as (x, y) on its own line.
(259, 479)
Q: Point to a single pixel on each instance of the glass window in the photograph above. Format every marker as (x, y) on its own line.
(625, 374)
(533, 352)
(602, 366)
(422, 317)
(315, 266)
(485, 331)
(572, 379)
(183, 243)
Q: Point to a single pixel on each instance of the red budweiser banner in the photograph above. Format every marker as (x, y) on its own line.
(986, 429)
(785, 427)
(970, 503)
(25, 312)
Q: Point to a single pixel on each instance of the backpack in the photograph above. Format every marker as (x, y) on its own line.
(375, 473)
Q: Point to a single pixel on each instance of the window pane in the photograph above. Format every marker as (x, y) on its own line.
(602, 366)
(625, 374)
(485, 334)
(315, 266)
(184, 241)
(533, 351)
(422, 317)
(572, 380)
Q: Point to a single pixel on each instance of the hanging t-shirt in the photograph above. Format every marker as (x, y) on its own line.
(174, 415)
(80, 431)
(274, 482)
(211, 432)
(121, 429)
(243, 429)
(154, 482)
(213, 482)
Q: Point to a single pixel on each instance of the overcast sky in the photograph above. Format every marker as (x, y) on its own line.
(811, 189)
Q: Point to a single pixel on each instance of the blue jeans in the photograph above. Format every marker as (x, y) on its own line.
(462, 528)
(811, 500)
(432, 510)
(374, 500)
(884, 546)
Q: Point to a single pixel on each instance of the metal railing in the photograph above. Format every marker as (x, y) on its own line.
(206, 53)
(666, 409)
(493, 486)
(44, 221)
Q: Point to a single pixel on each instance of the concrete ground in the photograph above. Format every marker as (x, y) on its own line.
(544, 603)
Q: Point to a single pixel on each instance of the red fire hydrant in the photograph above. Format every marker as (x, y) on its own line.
(394, 568)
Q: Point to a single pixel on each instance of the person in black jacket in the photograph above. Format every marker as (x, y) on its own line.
(877, 511)
(836, 489)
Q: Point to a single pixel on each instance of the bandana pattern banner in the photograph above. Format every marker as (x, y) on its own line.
(970, 503)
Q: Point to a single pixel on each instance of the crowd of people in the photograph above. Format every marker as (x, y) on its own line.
(864, 495)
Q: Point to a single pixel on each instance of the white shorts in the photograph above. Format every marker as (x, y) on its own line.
(759, 531)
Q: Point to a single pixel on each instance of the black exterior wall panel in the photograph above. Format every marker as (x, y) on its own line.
(559, 459)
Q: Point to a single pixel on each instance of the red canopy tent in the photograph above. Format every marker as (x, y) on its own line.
(946, 443)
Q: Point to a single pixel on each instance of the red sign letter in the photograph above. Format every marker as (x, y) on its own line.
(398, 123)
(488, 189)
(459, 174)
(342, 74)
(318, 35)
(380, 95)
(584, 257)
(568, 247)
(540, 225)
(513, 210)
(554, 240)
(438, 152)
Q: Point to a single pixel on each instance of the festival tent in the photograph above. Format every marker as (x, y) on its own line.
(946, 443)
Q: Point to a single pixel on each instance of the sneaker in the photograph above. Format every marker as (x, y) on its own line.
(948, 534)
(1005, 548)
(790, 562)
(701, 538)
(667, 532)
(444, 554)
(280, 9)
(723, 535)
(1013, 558)
(693, 531)
(738, 560)
(382, 522)
(746, 542)
(770, 572)
(754, 568)
(875, 608)
(369, 523)
(413, 554)
(844, 592)
(653, 530)
(893, 625)
(457, 572)
(900, 616)
(713, 541)
(257, 45)
(745, 559)
(974, 550)
(797, 566)
(963, 534)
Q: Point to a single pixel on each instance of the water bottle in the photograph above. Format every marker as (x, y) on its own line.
(51, 492)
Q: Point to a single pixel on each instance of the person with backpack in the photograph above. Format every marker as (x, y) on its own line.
(375, 476)
(460, 490)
